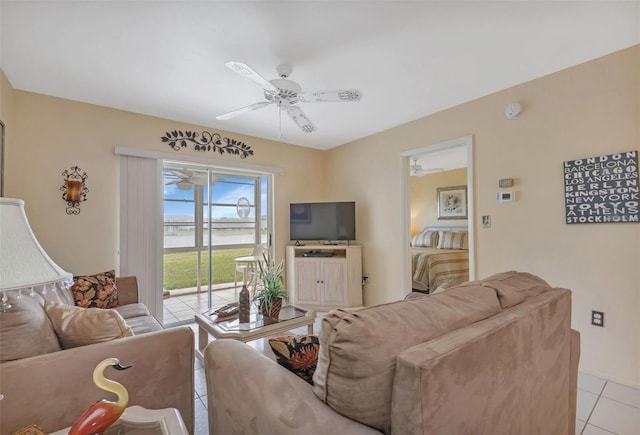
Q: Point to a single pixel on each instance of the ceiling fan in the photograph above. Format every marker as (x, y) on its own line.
(185, 179)
(418, 171)
(285, 93)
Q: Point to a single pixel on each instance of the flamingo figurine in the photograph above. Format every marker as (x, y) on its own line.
(99, 416)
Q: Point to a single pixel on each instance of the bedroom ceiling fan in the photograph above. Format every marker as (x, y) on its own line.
(285, 94)
(185, 179)
(418, 171)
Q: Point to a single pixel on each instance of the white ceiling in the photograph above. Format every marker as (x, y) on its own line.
(409, 59)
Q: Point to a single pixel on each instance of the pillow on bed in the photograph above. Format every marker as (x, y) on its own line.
(453, 240)
(425, 239)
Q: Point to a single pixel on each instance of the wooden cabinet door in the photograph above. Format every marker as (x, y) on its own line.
(334, 282)
(307, 281)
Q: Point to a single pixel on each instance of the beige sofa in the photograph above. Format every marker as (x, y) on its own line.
(51, 387)
(492, 357)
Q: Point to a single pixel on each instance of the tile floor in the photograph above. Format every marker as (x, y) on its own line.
(183, 305)
(604, 407)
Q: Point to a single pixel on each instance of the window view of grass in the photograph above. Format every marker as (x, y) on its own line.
(180, 268)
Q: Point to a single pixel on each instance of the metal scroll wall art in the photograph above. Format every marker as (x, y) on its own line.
(74, 190)
(214, 142)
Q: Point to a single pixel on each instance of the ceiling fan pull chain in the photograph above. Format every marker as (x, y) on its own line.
(280, 120)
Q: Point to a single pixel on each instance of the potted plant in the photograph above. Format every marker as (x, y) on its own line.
(271, 292)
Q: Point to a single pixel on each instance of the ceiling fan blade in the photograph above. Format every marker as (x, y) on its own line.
(300, 118)
(246, 71)
(243, 110)
(172, 182)
(199, 178)
(330, 96)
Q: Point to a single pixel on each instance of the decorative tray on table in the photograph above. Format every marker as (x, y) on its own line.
(225, 311)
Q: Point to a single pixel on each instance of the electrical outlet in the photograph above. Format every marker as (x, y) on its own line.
(597, 318)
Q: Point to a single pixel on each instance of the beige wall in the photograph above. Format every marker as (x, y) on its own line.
(423, 197)
(53, 134)
(6, 109)
(589, 110)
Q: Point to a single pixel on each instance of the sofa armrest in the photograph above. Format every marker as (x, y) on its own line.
(53, 389)
(249, 393)
(127, 290)
(573, 380)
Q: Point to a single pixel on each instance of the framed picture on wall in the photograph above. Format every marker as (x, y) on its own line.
(452, 202)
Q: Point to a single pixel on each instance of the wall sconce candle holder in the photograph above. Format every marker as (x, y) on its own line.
(74, 190)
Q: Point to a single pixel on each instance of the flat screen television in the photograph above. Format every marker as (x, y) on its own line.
(322, 221)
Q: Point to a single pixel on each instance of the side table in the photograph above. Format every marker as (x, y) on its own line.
(136, 420)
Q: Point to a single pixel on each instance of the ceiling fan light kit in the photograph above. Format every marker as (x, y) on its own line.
(285, 94)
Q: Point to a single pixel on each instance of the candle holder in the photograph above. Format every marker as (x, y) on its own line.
(74, 190)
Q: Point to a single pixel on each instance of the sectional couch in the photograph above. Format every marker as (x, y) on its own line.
(50, 386)
(496, 356)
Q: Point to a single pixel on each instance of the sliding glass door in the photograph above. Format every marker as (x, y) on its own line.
(211, 216)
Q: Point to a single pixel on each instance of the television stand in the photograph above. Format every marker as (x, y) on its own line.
(324, 277)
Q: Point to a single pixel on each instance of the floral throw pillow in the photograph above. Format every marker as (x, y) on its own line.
(297, 353)
(95, 291)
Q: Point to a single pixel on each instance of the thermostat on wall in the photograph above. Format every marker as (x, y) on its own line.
(507, 196)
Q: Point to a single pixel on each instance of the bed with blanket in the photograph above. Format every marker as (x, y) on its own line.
(439, 256)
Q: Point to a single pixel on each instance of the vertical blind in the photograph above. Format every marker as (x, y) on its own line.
(141, 227)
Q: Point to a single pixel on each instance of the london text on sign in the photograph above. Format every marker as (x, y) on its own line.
(602, 189)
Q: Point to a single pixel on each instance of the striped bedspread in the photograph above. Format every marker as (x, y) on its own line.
(432, 267)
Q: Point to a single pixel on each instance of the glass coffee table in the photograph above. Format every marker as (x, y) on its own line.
(291, 317)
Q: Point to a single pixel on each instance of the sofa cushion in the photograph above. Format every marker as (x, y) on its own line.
(358, 349)
(298, 353)
(443, 287)
(77, 326)
(95, 291)
(513, 287)
(130, 311)
(144, 324)
(25, 330)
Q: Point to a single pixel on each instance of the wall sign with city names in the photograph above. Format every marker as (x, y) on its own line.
(602, 189)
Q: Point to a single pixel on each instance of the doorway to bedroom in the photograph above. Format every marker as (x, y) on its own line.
(438, 215)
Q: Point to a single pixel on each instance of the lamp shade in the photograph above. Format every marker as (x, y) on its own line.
(23, 262)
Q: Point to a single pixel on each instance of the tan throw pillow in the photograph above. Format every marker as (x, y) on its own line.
(77, 326)
(425, 239)
(95, 291)
(453, 240)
